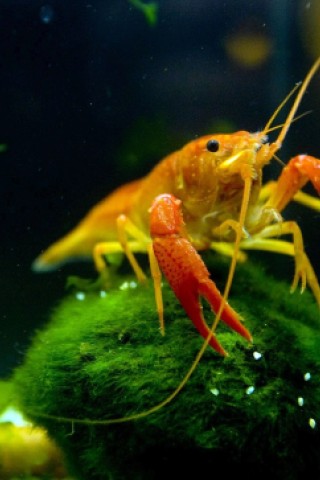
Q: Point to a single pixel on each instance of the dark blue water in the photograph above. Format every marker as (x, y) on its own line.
(92, 96)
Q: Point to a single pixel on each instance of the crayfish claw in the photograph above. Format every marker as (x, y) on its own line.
(186, 271)
(189, 299)
(228, 315)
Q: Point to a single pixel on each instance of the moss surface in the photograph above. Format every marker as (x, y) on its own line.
(103, 357)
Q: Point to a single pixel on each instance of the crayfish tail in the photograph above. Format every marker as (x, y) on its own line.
(228, 315)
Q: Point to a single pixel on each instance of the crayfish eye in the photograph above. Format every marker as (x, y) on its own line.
(213, 145)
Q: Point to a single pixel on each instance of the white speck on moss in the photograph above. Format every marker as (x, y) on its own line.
(307, 376)
(300, 401)
(312, 423)
(257, 355)
(80, 296)
(126, 285)
(214, 391)
(250, 390)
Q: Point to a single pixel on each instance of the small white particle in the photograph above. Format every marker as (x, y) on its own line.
(250, 390)
(124, 286)
(300, 401)
(214, 391)
(312, 423)
(257, 355)
(80, 296)
(103, 294)
(307, 376)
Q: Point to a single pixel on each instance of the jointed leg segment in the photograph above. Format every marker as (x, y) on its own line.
(304, 271)
(294, 176)
(157, 276)
(125, 227)
(139, 244)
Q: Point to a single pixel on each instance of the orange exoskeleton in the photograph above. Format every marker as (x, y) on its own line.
(208, 195)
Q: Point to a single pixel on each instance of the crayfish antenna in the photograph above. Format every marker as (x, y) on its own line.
(290, 117)
(268, 127)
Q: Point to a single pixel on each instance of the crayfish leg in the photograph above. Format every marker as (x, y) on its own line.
(137, 243)
(156, 275)
(304, 271)
(103, 249)
(294, 176)
(125, 227)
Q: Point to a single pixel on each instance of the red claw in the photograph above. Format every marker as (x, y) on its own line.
(185, 270)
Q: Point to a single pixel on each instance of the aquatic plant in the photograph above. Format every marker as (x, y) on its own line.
(25, 450)
(149, 10)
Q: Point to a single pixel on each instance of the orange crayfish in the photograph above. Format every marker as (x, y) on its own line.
(208, 195)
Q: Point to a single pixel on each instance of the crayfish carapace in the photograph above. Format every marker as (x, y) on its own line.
(208, 195)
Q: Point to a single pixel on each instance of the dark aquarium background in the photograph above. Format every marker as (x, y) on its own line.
(94, 93)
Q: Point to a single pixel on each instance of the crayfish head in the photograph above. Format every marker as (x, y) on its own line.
(237, 152)
(208, 163)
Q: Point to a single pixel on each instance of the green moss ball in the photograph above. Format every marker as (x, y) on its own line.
(256, 412)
